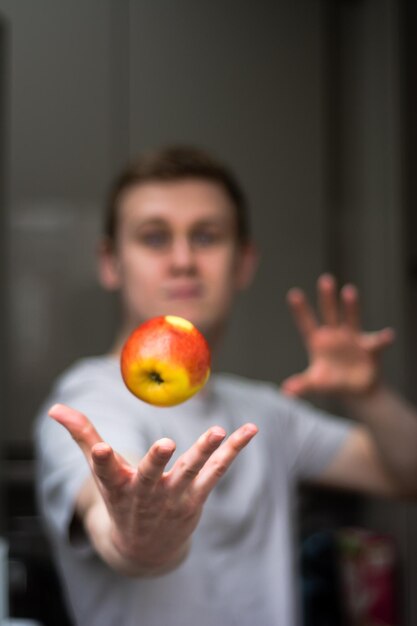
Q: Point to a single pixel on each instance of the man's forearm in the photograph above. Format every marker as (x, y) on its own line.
(392, 422)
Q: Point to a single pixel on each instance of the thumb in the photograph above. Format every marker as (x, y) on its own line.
(297, 385)
(378, 340)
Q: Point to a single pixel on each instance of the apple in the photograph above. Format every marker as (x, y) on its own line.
(165, 361)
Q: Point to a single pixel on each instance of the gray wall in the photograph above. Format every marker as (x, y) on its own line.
(367, 217)
(66, 138)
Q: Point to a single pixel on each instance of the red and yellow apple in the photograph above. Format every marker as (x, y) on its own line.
(165, 361)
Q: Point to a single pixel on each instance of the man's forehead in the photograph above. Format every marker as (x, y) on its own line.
(195, 200)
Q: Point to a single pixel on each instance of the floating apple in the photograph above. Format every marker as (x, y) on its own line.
(165, 361)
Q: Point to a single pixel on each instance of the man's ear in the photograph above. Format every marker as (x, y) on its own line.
(247, 264)
(108, 265)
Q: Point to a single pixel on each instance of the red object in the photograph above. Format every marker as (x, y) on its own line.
(158, 338)
(368, 572)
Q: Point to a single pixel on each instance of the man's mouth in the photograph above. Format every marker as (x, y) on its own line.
(183, 292)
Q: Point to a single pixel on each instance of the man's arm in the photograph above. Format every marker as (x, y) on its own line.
(140, 520)
(380, 455)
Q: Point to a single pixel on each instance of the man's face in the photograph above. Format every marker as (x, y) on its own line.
(177, 253)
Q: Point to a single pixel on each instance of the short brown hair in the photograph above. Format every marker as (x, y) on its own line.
(177, 163)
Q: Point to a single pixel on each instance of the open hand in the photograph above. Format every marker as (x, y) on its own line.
(343, 358)
(153, 512)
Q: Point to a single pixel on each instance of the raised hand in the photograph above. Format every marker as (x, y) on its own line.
(342, 358)
(151, 512)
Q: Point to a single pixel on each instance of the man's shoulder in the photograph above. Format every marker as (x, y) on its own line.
(249, 389)
(89, 370)
(92, 385)
(263, 394)
(231, 382)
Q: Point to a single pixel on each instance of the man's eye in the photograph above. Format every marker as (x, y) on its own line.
(205, 238)
(155, 239)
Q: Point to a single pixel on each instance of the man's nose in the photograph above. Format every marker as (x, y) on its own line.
(182, 254)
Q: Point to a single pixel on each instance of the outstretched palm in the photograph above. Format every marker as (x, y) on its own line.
(148, 514)
(343, 358)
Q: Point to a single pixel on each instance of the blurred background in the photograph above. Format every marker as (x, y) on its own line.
(312, 102)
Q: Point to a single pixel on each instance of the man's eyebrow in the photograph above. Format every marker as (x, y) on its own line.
(213, 221)
(160, 221)
(151, 221)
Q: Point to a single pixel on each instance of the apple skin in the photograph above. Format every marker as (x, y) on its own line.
(165, 361)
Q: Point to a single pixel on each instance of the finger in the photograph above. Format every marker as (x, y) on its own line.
(327, 298)
(374, 342)
(302, 312)
(109, 470)
(222, 458)
(297, 385)
(350, 300)
(152, 466)
(78, 425)
(189, 464)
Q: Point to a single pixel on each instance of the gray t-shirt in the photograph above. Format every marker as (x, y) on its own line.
(240, 568)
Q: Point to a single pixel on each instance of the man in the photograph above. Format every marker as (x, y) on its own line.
(175, 519)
